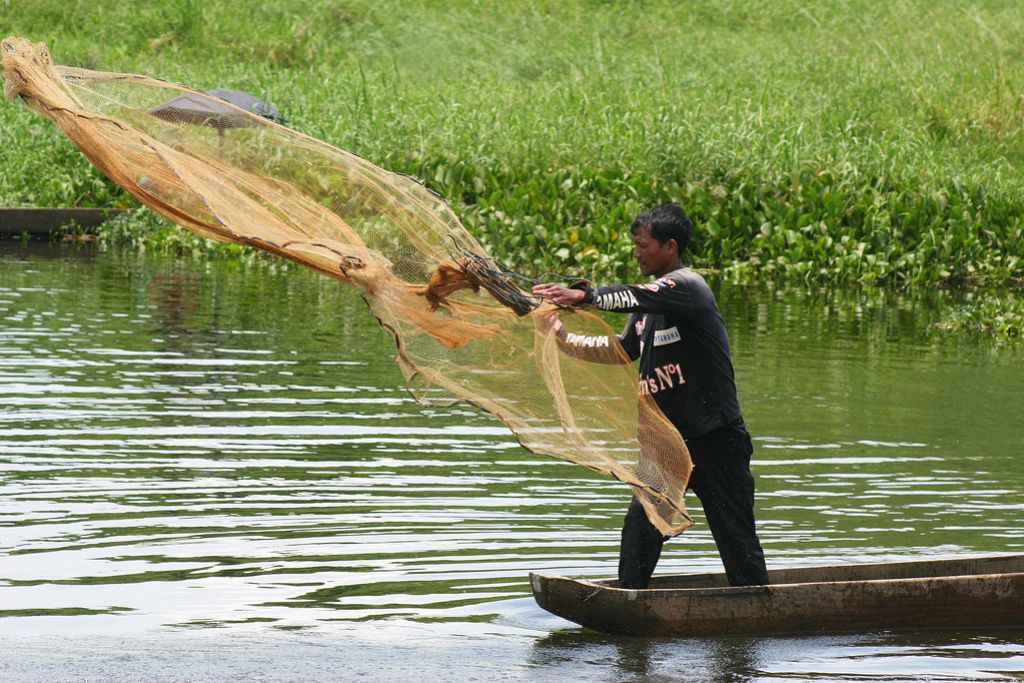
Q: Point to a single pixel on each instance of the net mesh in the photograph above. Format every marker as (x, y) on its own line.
(464, 330)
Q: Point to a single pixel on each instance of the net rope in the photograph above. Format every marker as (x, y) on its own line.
(464, 328)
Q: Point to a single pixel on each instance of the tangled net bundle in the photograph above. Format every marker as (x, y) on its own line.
(464, 329)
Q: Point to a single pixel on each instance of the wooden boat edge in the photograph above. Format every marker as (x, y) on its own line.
(973, 599)
(939, 561)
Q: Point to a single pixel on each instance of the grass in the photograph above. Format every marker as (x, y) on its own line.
(858, 141)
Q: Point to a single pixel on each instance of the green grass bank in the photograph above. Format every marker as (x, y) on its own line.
(849, 141)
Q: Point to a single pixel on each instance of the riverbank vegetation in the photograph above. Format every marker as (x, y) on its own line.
(856, 141)
(995, 315)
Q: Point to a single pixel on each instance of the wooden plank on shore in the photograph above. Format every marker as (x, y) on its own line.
(40, 220)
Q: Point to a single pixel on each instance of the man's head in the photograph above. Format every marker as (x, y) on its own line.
(660, 235)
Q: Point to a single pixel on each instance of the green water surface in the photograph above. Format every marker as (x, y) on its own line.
(222, 457)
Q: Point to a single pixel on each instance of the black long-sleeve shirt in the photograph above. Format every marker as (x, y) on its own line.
(678, 333)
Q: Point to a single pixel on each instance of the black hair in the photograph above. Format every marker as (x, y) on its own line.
(666, 222)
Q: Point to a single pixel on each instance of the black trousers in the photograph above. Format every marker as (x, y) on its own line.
(722, 480)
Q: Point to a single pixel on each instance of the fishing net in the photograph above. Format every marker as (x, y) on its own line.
(464, 328)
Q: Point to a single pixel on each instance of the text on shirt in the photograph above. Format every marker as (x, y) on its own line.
(586, 340)
(665, 377)
(620, 299)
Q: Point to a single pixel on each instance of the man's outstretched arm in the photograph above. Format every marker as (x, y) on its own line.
(596, 349)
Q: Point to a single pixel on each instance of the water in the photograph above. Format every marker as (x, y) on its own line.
(212, 471)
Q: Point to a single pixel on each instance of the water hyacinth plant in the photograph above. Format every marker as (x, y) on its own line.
(996, 315)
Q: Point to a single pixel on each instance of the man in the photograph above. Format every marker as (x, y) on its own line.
(675, 321)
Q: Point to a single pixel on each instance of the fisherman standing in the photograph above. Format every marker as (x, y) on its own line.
(677, 332)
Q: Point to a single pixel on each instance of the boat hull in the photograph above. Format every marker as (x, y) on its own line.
(982, 592)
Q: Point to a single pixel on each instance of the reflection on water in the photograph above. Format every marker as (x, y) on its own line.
(875, 657)
(655, 659)
(195, 445)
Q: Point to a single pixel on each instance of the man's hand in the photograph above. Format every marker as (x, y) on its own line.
(557, 294)
(549, 321)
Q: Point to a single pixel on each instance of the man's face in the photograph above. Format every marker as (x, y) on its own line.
(654, 258)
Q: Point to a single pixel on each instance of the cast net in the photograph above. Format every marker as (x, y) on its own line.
(464, 329)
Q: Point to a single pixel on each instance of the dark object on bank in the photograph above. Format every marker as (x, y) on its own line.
(248, 102)
(209, 111)
(43, 221)
(965, 593)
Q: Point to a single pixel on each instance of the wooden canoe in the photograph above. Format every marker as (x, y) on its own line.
(976, 592)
